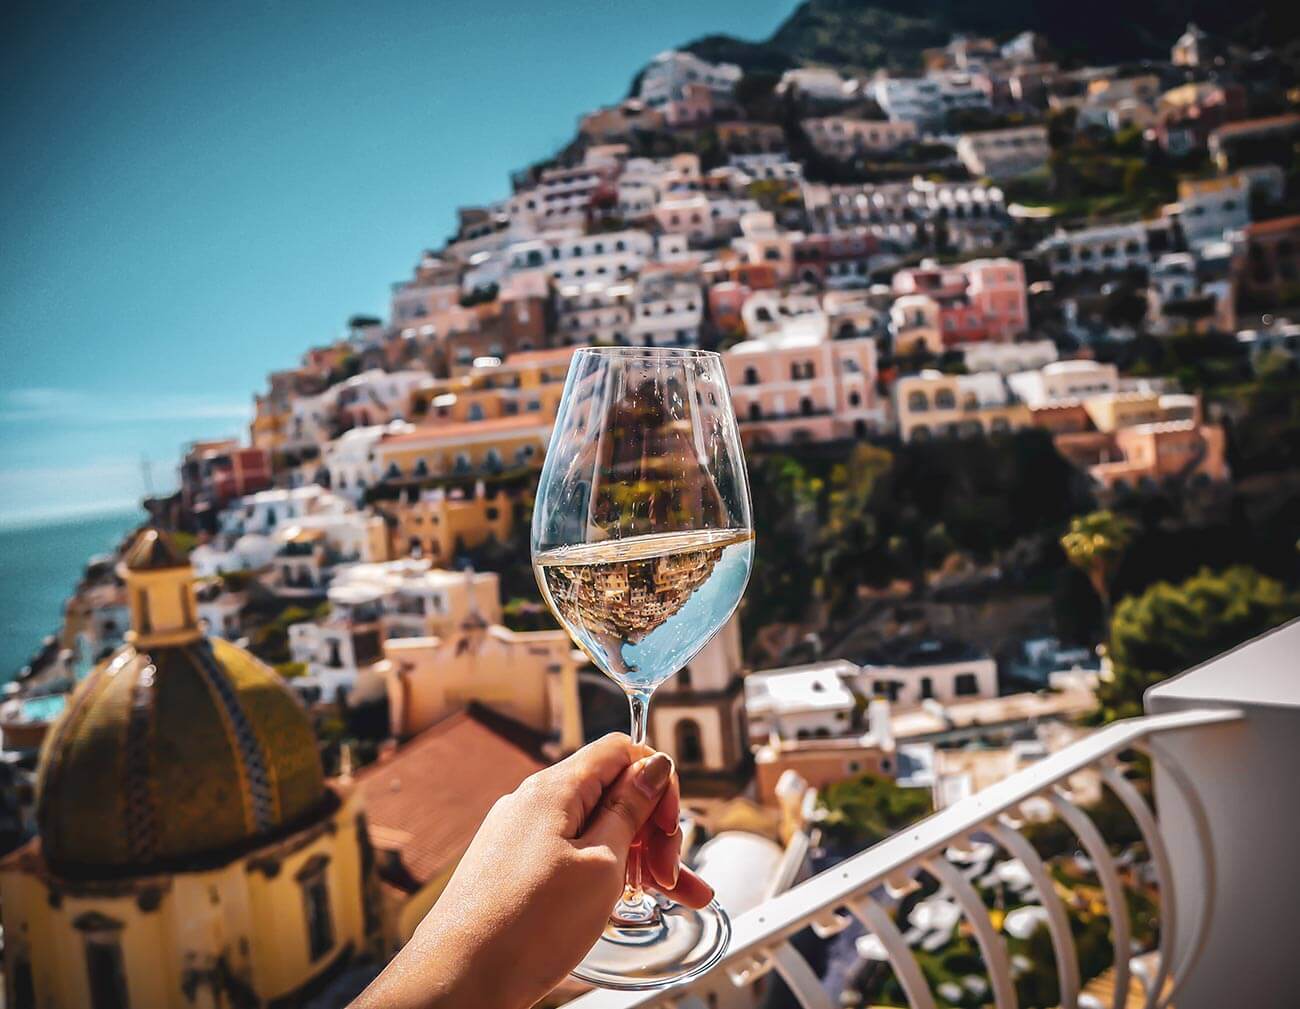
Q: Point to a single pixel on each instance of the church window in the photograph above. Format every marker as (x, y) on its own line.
(316, 906)
(690, 751)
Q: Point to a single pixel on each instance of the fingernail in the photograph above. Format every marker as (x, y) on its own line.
(653, 775)
(677, 871)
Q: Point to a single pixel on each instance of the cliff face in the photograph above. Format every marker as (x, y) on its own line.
(863, 35)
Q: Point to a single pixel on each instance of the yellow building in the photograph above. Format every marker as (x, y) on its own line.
(485, 446)
(528, 676)
(932, 404)
(528, 382)
(437, 524)
(1116, 410)
(190, 853)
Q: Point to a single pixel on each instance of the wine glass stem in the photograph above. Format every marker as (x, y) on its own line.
(635, 907)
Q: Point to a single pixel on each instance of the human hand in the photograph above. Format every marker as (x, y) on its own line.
(536, 886)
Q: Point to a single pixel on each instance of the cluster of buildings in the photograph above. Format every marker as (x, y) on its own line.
(339, 536)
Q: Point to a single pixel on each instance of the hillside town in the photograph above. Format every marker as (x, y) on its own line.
(965, 315)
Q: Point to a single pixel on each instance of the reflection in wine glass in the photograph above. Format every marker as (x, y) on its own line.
(642, 545)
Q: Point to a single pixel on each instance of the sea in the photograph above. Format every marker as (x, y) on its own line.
(40, 562)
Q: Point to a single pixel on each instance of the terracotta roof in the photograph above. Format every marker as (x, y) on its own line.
(522, 422)
(428, 799)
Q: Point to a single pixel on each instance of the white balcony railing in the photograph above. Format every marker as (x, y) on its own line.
(1224, 741)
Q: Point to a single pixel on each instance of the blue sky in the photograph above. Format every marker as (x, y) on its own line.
(193, 193)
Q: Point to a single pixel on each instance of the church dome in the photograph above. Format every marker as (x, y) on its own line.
(177, 751)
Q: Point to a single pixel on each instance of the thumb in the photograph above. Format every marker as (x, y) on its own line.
(628, 803)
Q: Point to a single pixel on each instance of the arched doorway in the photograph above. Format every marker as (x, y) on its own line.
(688, 746)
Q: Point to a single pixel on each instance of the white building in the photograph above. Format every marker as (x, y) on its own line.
(930, 671)
(1006, 358)
(913, 100)
(1064, 380)
(415, 599)
(595, 312)
(768, 166)
(267, 511)
(1209, 209)
(666, 77)
(580, 258)
(1106, 248)
(818, 83)
(667, 311)
(801, 702)
(350, 459)
(340, 657)
(1004, 154)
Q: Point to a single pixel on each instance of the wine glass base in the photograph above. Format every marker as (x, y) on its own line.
(682, 943)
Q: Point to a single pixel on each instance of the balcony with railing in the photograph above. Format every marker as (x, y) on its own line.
(1223, 744)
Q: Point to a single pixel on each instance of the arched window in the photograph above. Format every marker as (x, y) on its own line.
(945, 400)
(421, 468)
(751, 376)
(102, 939)
(316, 906)
(684, 678)
(755, 411)
(806, 406)
(918, 402)
(690, 751)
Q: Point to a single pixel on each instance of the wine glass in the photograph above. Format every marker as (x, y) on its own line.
(642, 543)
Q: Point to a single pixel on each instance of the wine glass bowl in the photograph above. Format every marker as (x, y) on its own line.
(642, 544)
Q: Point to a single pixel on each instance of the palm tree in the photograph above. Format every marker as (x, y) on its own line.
(1094, 544)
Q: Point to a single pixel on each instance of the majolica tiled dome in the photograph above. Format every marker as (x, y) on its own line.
(171, 754)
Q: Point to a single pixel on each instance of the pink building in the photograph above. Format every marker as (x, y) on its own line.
(801, 388)
(984, 299)
(996, 289)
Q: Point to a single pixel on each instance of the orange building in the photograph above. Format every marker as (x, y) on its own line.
(438, 524)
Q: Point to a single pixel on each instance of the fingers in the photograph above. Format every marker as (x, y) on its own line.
(690, 890)
(628, 804)
(669, 810)
(587, 773)
(663, 855)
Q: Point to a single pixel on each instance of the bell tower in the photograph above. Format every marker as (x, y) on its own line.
(697, 716)
(160, 588)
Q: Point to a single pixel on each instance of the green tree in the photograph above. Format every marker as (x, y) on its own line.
(849, 531)
(785, 518)
(1170, 628)
(1094, 544)
(860, 811)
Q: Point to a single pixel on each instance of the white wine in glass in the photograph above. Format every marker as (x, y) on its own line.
(642, 544)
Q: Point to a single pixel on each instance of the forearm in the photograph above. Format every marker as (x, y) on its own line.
(429, 972)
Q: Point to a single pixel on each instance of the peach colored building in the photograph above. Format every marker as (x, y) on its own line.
(1149, 455)
(821, 762)
(914, 321)
(529, 676)
(801, 388)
